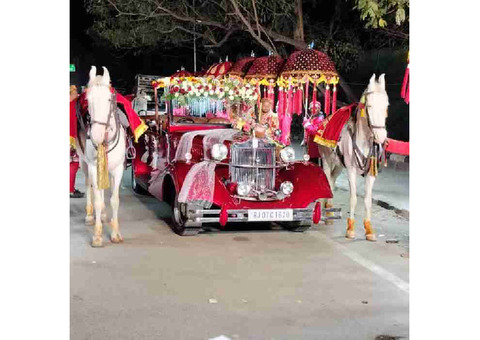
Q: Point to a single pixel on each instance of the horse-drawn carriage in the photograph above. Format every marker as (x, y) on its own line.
(220, 155)
(210, 172)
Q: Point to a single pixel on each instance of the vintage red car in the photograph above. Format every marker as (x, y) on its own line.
(211, 173)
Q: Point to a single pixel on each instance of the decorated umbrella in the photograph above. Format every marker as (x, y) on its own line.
(264, 71)
(302, 68)
(181, 73)
(218, 70)
(241, 67)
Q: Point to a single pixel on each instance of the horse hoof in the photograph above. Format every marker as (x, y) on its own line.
(371, 237)
(116, 238)
(97, 242)
(350, 234)
(89, 220)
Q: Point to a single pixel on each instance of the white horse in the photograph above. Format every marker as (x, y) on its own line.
(362, 137)
(104, 128)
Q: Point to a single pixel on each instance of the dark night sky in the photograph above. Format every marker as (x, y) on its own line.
(85, 51)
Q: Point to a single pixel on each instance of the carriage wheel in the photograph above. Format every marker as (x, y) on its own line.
(180, 224)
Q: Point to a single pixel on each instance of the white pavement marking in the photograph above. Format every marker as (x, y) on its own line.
(383, 273)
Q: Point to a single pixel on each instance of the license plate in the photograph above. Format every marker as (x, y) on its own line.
(270, 215)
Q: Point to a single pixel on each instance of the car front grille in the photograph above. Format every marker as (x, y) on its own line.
(253, 166)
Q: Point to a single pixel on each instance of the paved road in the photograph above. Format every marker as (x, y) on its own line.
(267, 283)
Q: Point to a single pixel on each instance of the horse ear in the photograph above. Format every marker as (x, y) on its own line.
(93, 73)
(106, 76)
(381, 81)
(372, 82)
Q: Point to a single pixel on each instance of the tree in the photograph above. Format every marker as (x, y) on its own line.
(272, 24)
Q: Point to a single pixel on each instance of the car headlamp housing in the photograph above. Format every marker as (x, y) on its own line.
(286, 187)
(219, 151)
(243, 189)
(287, 154)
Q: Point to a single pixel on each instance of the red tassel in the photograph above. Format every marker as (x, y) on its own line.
(307, 85)
(289, 103)
(317, 213)
(327, 100)
(259, 93)
(295, 100)
(281, 105)
(405, 83)
(223, 217)
(407, 95)
(334, 99)
(271, 93)
(314, 99)
(299, 100)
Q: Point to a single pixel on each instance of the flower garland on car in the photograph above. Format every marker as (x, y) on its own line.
(230, 91)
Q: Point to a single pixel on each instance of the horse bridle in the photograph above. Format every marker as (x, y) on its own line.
(375, 148)
(370, 125)
(113, 111)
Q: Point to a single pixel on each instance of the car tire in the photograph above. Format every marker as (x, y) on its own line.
(180, 223)
(298, 226)
(135, 186)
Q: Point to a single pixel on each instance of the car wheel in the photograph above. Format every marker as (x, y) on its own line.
(180, 223)
(135, 186)
(298, 226)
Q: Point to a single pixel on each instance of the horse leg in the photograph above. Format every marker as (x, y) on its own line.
(369, 233)
(103, 216)
(89, 220)
(352, 178)
(116, 175)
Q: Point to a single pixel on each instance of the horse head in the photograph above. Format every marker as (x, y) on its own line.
(99, 99)
(376, 102)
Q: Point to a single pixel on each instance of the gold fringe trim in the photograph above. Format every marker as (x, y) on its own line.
(325, 142)
(72, 142)
(102, 168)
(140, 130)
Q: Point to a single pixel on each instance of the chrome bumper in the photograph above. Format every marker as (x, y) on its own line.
(198, 216)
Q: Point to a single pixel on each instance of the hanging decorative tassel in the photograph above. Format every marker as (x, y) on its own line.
(290, 100)
(281, 105)
(314, 98)
(258, 99)
(102, 168)
(295, 100)
(334, 99)
(271, 92)
(407, 95)
(307, 85)
(373, 171)
(327, 100)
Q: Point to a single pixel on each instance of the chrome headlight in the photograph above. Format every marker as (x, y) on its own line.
(243, 189)
(219, 151)
(287, 154)
(286, 188)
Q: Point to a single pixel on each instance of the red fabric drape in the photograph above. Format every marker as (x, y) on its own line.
(137, 125)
